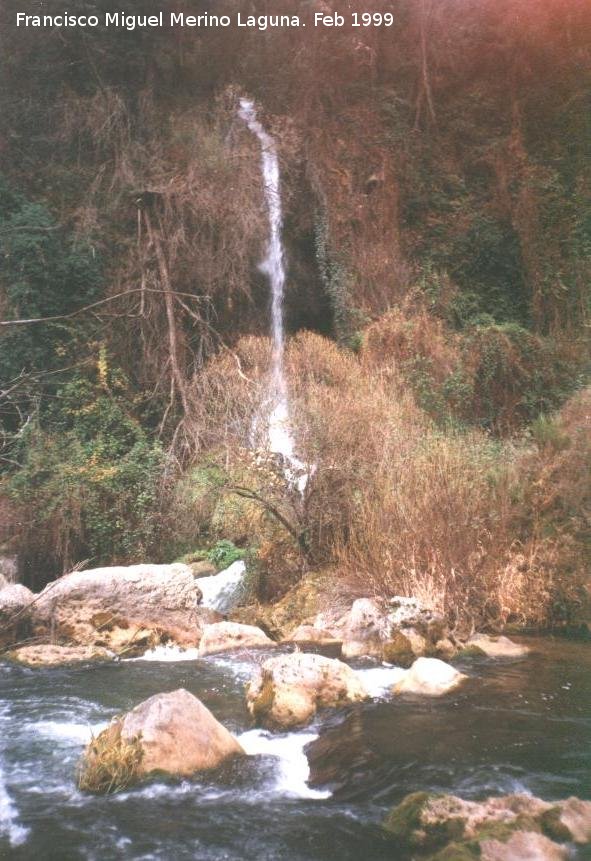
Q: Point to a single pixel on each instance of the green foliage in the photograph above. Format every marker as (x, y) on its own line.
(547, 434)
(89, 481)
(334, 275)
(44, 273)
(224, 553)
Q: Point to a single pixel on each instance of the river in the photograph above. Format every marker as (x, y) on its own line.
(517, 725)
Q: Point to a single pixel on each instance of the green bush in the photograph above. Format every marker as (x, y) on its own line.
(89, 484)
(224, 553)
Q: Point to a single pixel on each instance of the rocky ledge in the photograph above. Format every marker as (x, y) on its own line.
(509, 828)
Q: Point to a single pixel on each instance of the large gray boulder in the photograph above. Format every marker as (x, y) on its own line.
(15, 614)
(172, 733)
(119, 607)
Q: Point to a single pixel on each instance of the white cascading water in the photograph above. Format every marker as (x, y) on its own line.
(279, 437)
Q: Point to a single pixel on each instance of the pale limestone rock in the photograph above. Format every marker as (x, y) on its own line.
(497, 647)
(231, 635)
(523, 846)
(113, 606)
(47, 655)
(173, 732)
(429, 676)
(15, 613)
(288, 689)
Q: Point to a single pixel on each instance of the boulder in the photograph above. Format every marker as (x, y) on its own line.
(47, 655)
(116, 607)
(429, 676)
(509, 828)
(497, 647)
(364, 629)
(288, 689)
(171, 733)
(15, 614)
(310, 634)
(230, 635)
(523, 846)
(397, 630)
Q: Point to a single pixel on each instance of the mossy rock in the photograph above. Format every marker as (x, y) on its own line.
(456, 852)
(553, 826)
(398, 650)
(405, 824)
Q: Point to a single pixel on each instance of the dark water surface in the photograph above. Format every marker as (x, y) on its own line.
(517, 726)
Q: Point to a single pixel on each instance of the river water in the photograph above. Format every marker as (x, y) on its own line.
(517, 725)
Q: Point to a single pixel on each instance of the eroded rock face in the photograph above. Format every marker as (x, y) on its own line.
(429, 676)
(497, 647)
(118, 607)
(523, 846)
(47, 655)
(172, 733)
(510, 828)
(288, 689)
(15, 614)
(364, 629)
(299, 606)
(231, 635)
(397, 630)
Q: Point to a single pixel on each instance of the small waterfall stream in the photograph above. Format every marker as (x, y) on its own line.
(278, 431)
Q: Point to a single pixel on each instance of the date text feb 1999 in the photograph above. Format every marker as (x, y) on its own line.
(354, 19)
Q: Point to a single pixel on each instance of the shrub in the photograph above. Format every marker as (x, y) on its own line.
(224, 553)
(89, 485)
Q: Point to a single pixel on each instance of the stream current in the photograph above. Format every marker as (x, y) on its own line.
(318, 793)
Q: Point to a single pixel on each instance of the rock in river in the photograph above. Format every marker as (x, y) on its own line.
(172, 733)
(15, 613)
(288, 689)
(429, 676)
(496, 647)
(47, 655)
(510, 828)
(231, 635)
(114, 607)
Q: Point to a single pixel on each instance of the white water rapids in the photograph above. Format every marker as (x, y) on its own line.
(279, 437)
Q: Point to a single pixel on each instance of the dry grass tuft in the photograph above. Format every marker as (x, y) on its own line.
(110, 764)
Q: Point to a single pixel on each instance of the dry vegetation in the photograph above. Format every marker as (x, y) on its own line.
(110, 764)
(437, 236)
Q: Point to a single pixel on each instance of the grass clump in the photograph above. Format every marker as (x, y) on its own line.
(110, 763)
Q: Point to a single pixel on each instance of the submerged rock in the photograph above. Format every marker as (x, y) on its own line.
(496, 647)
(15, 614)
(173, 733)
(231, 635)
(116, 607)
(48, 655)
(429, 676)
(288, 689)
(510, 828)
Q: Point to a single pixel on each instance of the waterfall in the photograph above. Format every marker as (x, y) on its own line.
(279, 437)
